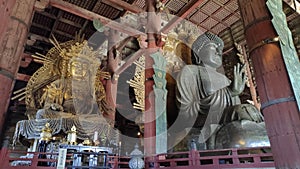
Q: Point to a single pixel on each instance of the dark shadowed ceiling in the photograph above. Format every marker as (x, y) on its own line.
(221, 17)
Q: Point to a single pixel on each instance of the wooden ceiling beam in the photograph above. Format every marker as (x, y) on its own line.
(59, 15)
(61, 19)
(36, 37)
(132, 58)
(63, 34)
(124, 5)
(41, 26)
(23, 77)
(26, 60)
(129, 61)
(182, 14)
(46, 14)
(84, 13)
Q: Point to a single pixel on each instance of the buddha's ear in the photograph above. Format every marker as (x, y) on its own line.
(195, 58)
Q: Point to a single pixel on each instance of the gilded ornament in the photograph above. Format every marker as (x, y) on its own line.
(138, 84)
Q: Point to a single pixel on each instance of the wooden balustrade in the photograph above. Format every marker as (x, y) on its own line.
(207, 159)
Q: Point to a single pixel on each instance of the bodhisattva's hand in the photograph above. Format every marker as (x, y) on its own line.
(238, 84)
(56, 107)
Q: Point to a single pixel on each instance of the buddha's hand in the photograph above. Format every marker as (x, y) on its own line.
(238, 84)
(247, 112)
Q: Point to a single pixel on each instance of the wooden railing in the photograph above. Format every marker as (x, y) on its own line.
(11, 160)
(212, 159)
(209, 159)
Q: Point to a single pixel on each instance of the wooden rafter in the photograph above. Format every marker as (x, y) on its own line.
(60, 13)
(23, 77)
(41, 26)
(26, 60)
(84, 13)
(181, 15)
(133, 58)
(70, 22)
(129, 61)
(124, 5)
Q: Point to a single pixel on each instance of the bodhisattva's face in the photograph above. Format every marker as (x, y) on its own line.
(78, 69)
(211, 55)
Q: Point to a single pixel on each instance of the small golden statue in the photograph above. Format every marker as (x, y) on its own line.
(46, 133)
(87, 142)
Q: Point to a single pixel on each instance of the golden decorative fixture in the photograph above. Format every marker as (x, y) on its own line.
(87, 142)
(46, 133)
(242, 56)
(160, 7)
(138, 84)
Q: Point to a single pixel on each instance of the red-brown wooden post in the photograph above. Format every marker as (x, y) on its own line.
(273, 85)
(153, 26)
(197, 158)
(4, 153)
(192, 158)
(6, 7)
(235, 159)
(112, 65)
(11, 49)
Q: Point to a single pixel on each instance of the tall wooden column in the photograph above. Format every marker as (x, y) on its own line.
(11, 49)
(112, 65)
(6, 7)
(152, 27)
(273, 84)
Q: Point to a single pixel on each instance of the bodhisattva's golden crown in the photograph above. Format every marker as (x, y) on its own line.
(78, 52)
(81, 50)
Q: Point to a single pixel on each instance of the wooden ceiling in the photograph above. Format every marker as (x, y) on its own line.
(213, 15)
(64, 18)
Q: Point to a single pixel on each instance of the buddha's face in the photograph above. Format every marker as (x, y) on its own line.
(211, 55)
(78, 68)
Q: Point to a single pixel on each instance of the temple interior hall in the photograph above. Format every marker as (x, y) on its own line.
(100, 83)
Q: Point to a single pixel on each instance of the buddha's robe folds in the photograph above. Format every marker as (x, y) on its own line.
(204, 91)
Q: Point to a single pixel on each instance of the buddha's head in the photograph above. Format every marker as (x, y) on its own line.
(207, 50)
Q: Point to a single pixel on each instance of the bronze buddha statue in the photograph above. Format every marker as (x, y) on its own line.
(203, 91)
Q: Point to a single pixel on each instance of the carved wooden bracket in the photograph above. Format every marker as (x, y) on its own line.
(40, 5)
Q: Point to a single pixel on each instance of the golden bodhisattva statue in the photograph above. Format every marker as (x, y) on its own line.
(69, 83)
(67, 91)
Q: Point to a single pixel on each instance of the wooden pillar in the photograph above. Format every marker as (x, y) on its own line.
(6, 7)
(273, 84)
(11, 49)
(152, 27)
(112, 65)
